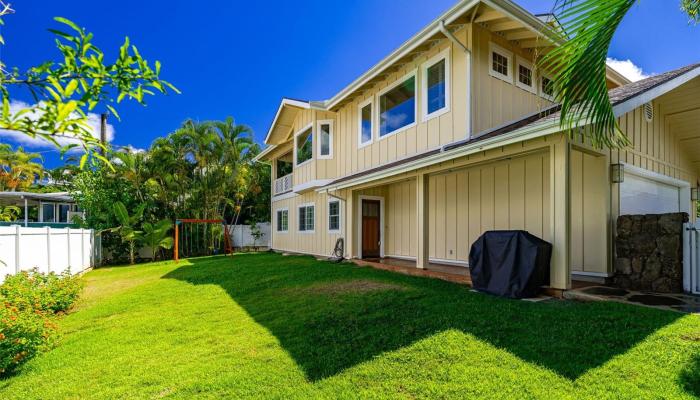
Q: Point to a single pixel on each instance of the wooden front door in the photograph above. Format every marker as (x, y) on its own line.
(371, 228)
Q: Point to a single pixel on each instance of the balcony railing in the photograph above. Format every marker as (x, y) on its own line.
(283, 184)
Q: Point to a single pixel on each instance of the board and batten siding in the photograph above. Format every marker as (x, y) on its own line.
(589, 212)
(321, 242)
(463, 204)
(307, 171)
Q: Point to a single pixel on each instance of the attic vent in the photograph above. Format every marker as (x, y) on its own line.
(649, 111)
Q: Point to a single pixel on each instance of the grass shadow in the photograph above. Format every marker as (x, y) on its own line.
(327, 324)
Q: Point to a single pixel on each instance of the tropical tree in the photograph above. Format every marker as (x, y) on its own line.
(18, 169)
(65, 91)
(155, 236)
(578, 63)
(128, 229)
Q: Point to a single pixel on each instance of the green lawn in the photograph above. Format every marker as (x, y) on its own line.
(267, 326)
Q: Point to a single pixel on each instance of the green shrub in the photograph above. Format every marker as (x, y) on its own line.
(34, 291)
(23, 334)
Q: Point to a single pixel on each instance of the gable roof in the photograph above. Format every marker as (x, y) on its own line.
(624, 99)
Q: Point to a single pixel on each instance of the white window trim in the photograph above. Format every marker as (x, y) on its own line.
(330, 138)
(340, 216)
(362, 105)
(539, 83)
(277, 217)
(494, 48)
(443, 55)
(398, 82)
(300, 206)
(296, 135)
(521, 61)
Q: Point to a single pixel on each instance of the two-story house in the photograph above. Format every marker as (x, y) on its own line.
(455, 133)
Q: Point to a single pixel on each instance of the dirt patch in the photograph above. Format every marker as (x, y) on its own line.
(356, 286)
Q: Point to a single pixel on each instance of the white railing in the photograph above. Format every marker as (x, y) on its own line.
(283, 184)
(47, 249)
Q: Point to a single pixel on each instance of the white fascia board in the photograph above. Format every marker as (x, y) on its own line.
(264, 153)
(283, 103)
(311, 185)
(526, 133)
(640, 99)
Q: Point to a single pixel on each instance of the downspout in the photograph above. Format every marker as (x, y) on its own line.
(468, 54)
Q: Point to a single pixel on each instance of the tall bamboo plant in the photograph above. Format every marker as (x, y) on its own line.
(578, 64)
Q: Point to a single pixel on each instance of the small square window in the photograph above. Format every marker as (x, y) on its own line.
(500, 63)
(547, 88)
(525, 76)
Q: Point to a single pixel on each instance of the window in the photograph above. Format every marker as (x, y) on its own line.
(397, 107)
(63, 212)
(334, 216)
(525, 76)
(282, 220)
(306, 218)
(325, 139)
(501, 61)
(304, 146)
(365, 130)
(547, 88)
(436, 86)
(48, 212)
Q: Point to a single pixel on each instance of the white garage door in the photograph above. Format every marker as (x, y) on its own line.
(640, 195)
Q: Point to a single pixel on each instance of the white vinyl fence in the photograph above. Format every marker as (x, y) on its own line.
(242, 235)
(47, 249)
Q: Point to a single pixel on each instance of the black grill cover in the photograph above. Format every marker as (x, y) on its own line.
(511, 264)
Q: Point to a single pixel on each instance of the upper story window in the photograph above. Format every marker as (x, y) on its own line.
(501, 64)
(436, 86)
(365, 123)
(547, 88)
(333, 216)
(306, 217)
(325, 139)
(282, 220)
(397, 106)
(303, 145)
(525, 78)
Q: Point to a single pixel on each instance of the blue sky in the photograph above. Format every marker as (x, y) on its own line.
(239, 58)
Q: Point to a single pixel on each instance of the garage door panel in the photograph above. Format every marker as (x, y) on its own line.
(639, 195)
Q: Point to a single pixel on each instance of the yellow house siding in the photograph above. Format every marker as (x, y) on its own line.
(320, 242)
(495, 101)
(307, 171)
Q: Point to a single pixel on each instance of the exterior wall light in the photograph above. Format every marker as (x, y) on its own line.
(694, 194)
(617, 173)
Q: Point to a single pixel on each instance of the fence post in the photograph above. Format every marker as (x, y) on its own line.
(17, 247)
(48, 248)
(82, 248)
(68, 247)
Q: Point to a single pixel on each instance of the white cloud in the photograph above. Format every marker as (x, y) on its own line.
(628, 69)
(37, 142)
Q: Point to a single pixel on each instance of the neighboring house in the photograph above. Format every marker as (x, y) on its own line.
(41, 209)
(454, 134)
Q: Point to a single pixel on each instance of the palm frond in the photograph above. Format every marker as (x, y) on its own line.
(579, 68)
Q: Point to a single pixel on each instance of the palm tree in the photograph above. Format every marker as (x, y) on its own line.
(578, 64)
(19, 169)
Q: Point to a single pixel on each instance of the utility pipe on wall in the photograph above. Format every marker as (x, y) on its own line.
(449, 35)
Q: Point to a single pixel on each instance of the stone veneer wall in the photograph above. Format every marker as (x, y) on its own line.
(649, 252)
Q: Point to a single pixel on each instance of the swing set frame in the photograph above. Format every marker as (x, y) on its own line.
(228, 246)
